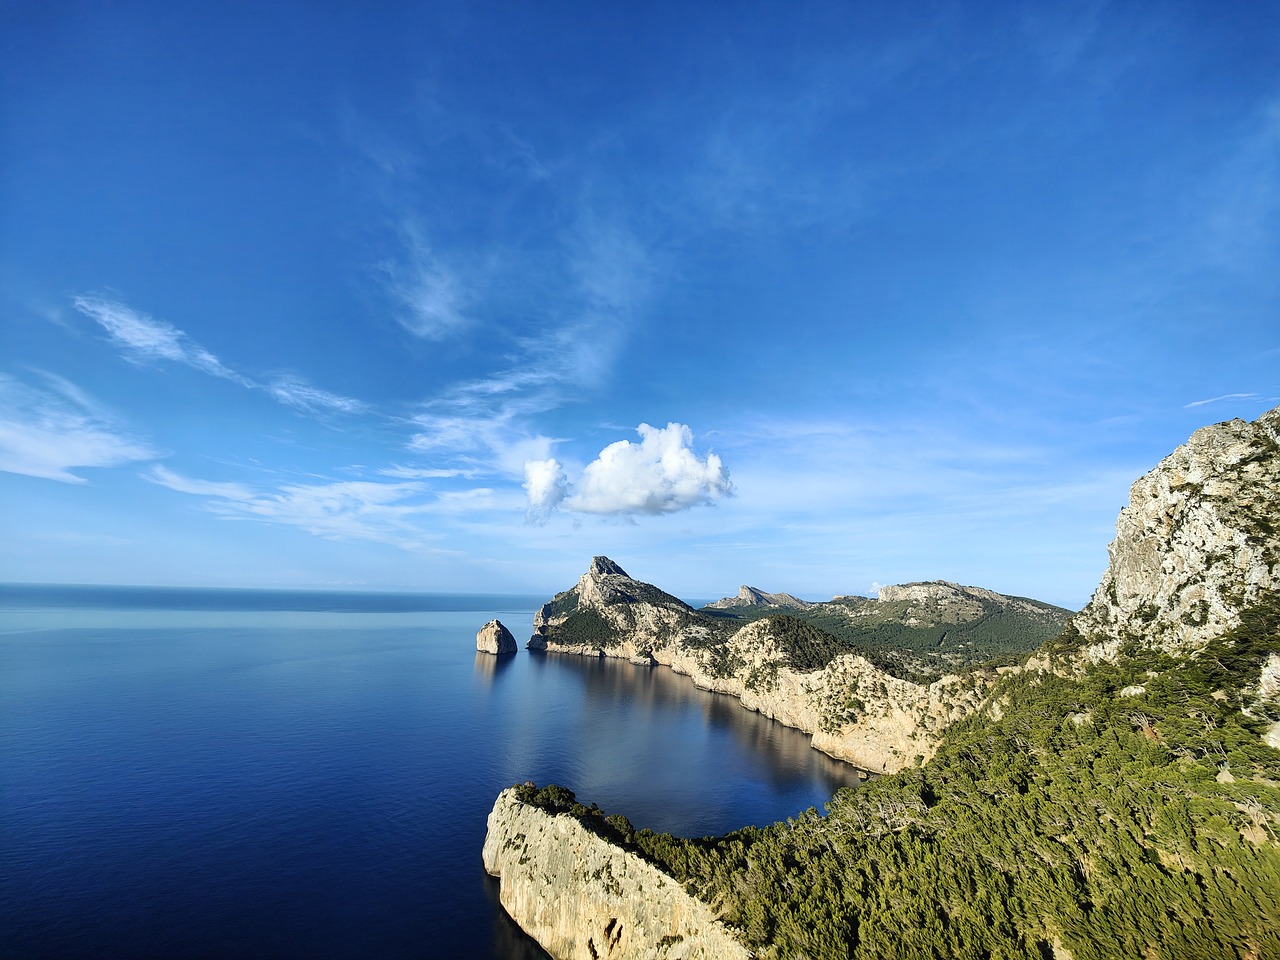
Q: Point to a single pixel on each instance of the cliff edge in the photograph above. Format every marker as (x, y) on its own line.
(584, 898)
(1196, 544)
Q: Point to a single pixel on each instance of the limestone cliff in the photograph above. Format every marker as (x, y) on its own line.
(495, 638)
(584, 898)
(1195, 545)
(789, 670)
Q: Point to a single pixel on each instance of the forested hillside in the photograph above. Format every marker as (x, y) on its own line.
(1132, 811)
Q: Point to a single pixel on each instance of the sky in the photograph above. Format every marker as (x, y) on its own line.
(454, 296)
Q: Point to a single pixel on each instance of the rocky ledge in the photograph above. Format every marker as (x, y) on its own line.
(583, 898)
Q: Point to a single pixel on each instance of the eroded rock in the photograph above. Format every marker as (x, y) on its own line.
(495, 638)
(583, 898)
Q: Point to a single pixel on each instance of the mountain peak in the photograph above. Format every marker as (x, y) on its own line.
(603, 566)
(1196, 544)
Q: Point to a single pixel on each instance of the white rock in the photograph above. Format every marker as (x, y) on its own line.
(494, 638)
(583, 898)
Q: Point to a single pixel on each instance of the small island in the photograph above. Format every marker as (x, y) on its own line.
(496, 639)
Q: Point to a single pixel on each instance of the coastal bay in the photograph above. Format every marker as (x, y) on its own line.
(259, 776)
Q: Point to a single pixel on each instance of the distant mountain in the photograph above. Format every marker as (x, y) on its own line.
(751, 597)
(918, 631)
(875, 681)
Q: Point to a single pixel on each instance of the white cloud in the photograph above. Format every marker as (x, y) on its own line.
(547, 487)
(146, 338)
(661, 474)
(296, 392)
(202, 488)
(432, 297)
(1225, 396)
(425, 473)
(343, 510)
(46, 432)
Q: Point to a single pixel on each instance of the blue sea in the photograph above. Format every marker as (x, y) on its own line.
(248, 773)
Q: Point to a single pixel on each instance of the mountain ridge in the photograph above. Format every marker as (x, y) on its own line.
(830, 669)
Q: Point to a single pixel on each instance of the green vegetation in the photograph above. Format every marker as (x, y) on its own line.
(1144, 825)
(586, 628)
(561, 605)
(807, 647)
(879, 631)
(910, 640)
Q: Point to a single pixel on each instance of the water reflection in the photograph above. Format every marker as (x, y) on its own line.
(489, 667)
(625, 708)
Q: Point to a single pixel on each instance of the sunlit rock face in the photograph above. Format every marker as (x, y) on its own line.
(582, 898)
(1195, 545)
(853, 710)
(495, 638)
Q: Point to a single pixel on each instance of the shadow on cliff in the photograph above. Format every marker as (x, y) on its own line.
(509, 941)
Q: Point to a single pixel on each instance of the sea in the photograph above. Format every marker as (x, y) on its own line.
(214, 773)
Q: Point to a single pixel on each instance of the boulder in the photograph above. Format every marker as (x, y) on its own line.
(494, 638)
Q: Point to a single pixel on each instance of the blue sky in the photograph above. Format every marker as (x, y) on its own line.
(454, 296)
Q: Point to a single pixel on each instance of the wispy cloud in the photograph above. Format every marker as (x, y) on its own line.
(342, 510)
(296, 392)
(45, 432)
(1225, 396)
(145, 339)
(432, 298)
(424, 473)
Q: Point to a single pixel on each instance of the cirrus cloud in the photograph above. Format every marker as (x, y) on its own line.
(146, 339)
(46, 432)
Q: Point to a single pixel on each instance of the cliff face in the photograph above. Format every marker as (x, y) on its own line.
(1196, 543)
(855, 710)
(582, 898)
(495, 638)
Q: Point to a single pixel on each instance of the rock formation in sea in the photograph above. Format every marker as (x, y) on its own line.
(495, 638)
(584, 898)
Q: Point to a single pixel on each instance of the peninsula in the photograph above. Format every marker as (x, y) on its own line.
(1115, 792)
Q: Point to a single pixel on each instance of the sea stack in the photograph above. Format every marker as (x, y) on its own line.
(494, 638)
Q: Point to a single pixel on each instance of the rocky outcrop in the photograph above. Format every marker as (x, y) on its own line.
(495, 638)
(584, 898)
(854, 710)
(1196, 543)
(751, 597)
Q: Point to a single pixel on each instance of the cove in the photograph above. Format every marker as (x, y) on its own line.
(224, 781)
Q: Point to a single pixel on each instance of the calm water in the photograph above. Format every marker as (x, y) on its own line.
(285, 774)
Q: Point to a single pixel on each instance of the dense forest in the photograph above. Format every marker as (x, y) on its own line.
(1120, 809)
